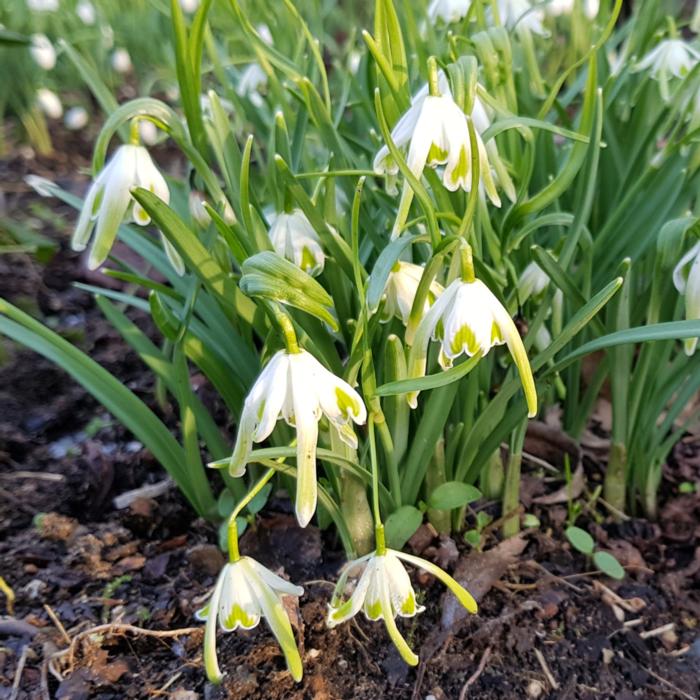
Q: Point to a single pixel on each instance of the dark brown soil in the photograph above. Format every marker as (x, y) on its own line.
(546, 628)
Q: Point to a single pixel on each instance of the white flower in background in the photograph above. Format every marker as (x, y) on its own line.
(245, 592)
(468, 318)
(555, 8)
(521, 15)
(672, 58)
(686, 278)
(252, 80)
(148, 132)
(86, 12)
(533, 281)
(293, 237)
(109, 202)
(121, 61)
(189, 6)
(195, 203)
(298, 388)
(400, 291)
(42, 5)
(42, 51)
(49, 103)
(76, 118)
(354, 60)
(265, 34)
(448, 10)
(384, 591)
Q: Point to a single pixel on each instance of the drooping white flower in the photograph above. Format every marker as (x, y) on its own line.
(293, 237)
(533, 281)
(148, 132)
(298, 388)
(245, 592)
(384, 591)
(109, 202)
(49, 103)
(42, 5)
(522, 16)
(556, 8)
(448, 10)
(42, 51)
(86, 12)
(672, 58)
(121, 61)
(76, 118)
(468, 318)
(400, 291)
(252, 80)
(686, 278)
(195, 203)
(265, 34)
(189, 6)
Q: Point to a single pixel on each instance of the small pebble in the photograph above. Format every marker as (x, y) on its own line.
(535, 689)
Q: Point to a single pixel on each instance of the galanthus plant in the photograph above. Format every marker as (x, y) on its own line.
(346, 250)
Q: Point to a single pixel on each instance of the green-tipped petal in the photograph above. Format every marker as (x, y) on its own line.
(173, 256)
(400, 643)
(211, 664)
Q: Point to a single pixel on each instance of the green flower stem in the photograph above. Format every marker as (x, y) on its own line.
(433, 84)
(134, 136)
(287, 328)
(467, 263)
(466, 223)
(615, 477)
(511, 491)
(392, 467)
(233, 553)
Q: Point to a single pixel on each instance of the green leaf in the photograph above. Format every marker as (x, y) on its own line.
(260, 499)
(9, 38)
(580, 540)
(610, 566)
(453, 494)
(401, 524)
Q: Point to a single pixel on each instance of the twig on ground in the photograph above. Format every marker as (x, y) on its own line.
(475, 676)
(554, 577)
(668, 684)
(648, 634)
(18, 672)
(125, 499)
(57, 623)
(39, 476)
(545, 669)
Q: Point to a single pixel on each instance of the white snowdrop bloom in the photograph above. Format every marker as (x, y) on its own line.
(43, 5)
(86, 12)
(672, 58)
(49, 103)
(448, 10)
(42, 51)
(244, 593)
(297, 387)
(468, 318)
(400, 291)
(533, 281)
(686, 278)
(76, 118)
(556, 8)
(265, 34)
(148, 132)
(109, 202)
(189, 6)
(252, 80)
(522, 16)
(384, 591)
(354, 60)
(195, 203)
(293, 237)
(121, 61)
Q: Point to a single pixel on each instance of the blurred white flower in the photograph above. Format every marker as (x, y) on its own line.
(293, 237)
(76, 118)
(49, 103)
(672, 58)
(42, 51)
(298, 388)
(252, 79)
(189, 6)
(686, 278)
(265, 33)
(86, 12)
(354, 60)
(566, 7)
(195, 203)
(522, 16)
(400, 291)
(245, 592)
(42, 5)
(148, 132)
(533, 281)
(108, 201)
(448, 10)
(121, 61)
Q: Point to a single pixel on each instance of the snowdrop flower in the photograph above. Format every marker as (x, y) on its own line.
(42, 5)
(49, 103)
(76, 118)
(42, 51)
(109, 201)
(384, 591)
(86, 12)
(148, 132)
(448, 10)
(244, 592)
(293, 238)
(400, 291)
(533, 281)
(686, 278)
(195, 203)
(252, 80)
(265, 34)
(121, 61)
(520, 15)
(468, 318)
(556, 8)
(354, 60)
(189, 6)
(297, 387)
(672, 58)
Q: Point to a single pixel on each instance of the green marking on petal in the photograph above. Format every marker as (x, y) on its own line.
(496, 336)
(238, 616)
(339, 613)
(464, 337)
(308, 262)
(408, 607)
(462, 168)
(436, 154)
(346, 403)
(373, 610)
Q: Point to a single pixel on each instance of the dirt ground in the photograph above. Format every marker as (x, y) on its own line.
(105, 596)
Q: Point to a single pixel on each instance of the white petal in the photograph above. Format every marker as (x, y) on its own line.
(679, 272)
(239, 605)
